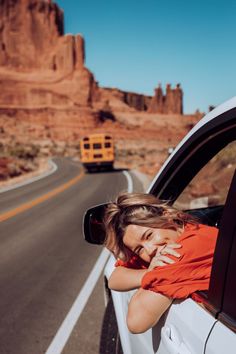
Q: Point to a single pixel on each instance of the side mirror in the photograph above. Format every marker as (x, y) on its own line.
(93, 228)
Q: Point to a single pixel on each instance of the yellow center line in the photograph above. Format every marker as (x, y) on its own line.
(9, 214)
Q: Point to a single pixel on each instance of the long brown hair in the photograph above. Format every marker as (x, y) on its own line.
(139, 209)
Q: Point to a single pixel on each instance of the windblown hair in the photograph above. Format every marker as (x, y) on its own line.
(139, 209)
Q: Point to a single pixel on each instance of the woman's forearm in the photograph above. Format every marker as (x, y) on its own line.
(145, 309)
(125, 279)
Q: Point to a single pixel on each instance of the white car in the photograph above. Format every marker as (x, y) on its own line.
(199, 177)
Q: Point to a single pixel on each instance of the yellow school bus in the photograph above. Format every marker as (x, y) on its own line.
(97, 151)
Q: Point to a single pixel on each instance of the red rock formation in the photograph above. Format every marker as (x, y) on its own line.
(39, 65)
(178, 94)
(137, 101)
(171, 103)
(157, 102)
(28, 29)
(122, 100)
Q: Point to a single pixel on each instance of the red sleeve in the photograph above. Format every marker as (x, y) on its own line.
(178, 281)
(191, 272)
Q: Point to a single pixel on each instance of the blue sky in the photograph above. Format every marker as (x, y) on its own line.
(135, 44)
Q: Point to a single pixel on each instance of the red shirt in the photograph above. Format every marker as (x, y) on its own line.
(190, 272)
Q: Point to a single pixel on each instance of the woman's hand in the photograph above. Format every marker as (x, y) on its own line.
(161, 258)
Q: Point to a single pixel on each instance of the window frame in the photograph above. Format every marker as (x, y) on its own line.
(193, 155)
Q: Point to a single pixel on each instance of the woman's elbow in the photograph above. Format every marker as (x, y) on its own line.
(114, 282)
(137, 321)
(133, 326)
(141, 314)
(136, 325)
(111, 284)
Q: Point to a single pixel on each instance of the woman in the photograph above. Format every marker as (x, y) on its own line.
(144, 235)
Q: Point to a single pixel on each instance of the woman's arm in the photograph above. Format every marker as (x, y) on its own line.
(145, 309)
(125, 279)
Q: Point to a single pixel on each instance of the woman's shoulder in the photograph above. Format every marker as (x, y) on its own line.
(198, 239)
(198, 230)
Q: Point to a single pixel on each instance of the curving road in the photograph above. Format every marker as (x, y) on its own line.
(44, 260)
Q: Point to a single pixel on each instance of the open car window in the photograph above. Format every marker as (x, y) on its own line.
(205, 195)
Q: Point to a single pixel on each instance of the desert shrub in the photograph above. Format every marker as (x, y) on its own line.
(27, 152)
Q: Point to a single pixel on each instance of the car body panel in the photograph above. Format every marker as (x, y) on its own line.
(180, 333)
(182, 315)
(221, 340)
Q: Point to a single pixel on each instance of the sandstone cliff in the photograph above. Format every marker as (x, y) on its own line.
(39, 65)
(29, 29)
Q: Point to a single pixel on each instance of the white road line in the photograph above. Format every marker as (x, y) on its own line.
(53, 168)
(130, 182)
(68, 324)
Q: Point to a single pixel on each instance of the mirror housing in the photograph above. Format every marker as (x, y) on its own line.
(93, 228)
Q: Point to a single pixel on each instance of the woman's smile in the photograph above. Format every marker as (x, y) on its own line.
(146, 241)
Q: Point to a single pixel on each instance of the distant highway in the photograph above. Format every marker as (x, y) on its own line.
(44, 261)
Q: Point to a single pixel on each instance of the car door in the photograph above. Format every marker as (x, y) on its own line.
(208, 168)
(207, 327)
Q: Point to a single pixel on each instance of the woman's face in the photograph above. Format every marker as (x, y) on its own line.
(146, 241)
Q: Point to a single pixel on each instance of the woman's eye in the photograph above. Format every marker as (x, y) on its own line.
(149, 235)
(139, 250)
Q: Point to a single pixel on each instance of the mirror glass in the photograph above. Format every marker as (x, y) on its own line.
(93, 226)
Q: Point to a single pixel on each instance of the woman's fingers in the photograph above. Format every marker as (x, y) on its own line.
(171, 252)
(160, 260)
(156, 263)
(170, 249)
(160, 264)
(174, 245)
(166, 259)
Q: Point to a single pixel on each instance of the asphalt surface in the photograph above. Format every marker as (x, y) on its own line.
(44, 261)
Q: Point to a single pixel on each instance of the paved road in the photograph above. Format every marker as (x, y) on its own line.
(44, 261)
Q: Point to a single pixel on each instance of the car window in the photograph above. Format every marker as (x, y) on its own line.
(210, 186)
